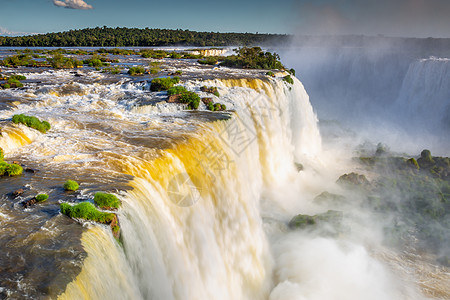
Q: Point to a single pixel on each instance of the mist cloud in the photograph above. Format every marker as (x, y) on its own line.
(418, 18)
(73, 4)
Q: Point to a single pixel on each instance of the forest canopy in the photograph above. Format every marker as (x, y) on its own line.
(128, 37)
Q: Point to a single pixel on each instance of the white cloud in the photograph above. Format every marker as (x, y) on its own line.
(74, 4)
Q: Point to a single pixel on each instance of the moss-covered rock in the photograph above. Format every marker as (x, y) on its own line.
(332, 217)
(71, 185)
(353, 179)
(330, 199)
(106, 201)
(87, 211)
(32, 122)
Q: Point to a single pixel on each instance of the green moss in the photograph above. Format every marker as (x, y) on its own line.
(13, 170)
(3, 166)
(32, 122)
(71, 185)
(41, 197)
(86, 211)
(106, 201)
(163, 84)
(412, 162)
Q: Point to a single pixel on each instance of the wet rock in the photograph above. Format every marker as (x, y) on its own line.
(17, 193)
(29, 170)
(353, 179)
(330, 199)
(29, 203)
(332, 217)
(174, 98)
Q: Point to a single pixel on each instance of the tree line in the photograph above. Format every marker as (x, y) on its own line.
(128, 37)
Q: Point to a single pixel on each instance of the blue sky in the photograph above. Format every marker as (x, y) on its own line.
(413, 18)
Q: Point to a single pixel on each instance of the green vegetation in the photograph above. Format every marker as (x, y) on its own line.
(112, 70)
(41, 197)
(156, 54)
(10, 169)
(332, 217)
(59, 61)
(417, 193)
(191, 99)
(119, 37)
(163, 84)
(86, 211)
(17, 60)
(176, 90)
(270, 73)
(211, 90)
(210, 60)
(138, 70)
(106, 201)
(18, 77)
(253, 58)
(288, 79)
(71, 185)
(96, 61)
(32, 122)
(2, 154)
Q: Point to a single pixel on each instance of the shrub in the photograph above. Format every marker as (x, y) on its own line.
(212, 90)
(95, 61)
(270, 73)
(211, 60)
(224, 107)
(288, 79)
(13, 170)
(59, 61)
(32, 122)
(2, 154)
(163, 84)
(18, 77)
(6, 86)
(106, 201)
(253, 58)
(41, 197)
(176, 90)
(210, 106)
(112, 70)
(139, 70)
(175, 55)
(14, 82)
(71, 185)
(178, 72)
(217, 106)
(86, 211)
(3, 166)
(191, 99)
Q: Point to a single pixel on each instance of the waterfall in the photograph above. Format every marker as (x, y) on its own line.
(425, 93)
(191, 226)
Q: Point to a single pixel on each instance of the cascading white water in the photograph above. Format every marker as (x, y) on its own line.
(215, 248)
(425, 93)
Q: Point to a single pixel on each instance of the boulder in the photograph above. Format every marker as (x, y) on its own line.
(332, 217)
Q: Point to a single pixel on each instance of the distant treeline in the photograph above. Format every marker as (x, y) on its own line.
(128, 37)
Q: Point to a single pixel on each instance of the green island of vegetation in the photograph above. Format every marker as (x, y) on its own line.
(32, 122)
(106, 201)
(71, 185)
(121, 37)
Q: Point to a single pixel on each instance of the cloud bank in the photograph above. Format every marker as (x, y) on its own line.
(73, 4)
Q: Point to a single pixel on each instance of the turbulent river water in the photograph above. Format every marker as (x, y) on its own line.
(206, 196)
